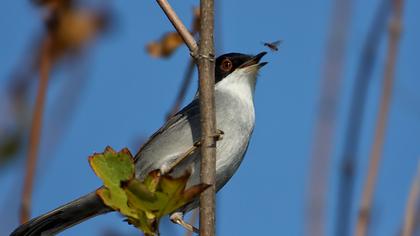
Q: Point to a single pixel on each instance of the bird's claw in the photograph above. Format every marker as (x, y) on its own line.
(219, 135)
(178, 218)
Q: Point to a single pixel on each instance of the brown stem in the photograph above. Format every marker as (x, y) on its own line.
(180, 27)
(205, 57)
(355, 120)
(208, 118)
(325, 124)
(376, 152)
(410, 210)
(35, 132)
(416, 226)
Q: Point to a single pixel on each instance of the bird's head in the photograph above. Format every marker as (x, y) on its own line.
(238, 68)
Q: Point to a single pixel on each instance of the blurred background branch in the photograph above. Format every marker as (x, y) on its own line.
(395, 26)
(352, 137)
(325, 122)
(35, 132)
(68, 30)
(411, 206)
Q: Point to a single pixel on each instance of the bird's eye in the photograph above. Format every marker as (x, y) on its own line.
(226, 65)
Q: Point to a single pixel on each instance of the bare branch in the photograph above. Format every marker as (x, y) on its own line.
(35, 132)
(208, 118)
(180, 27)
(351, 143)
(325, 123)
(204, 55)
(376, 152)
(410, 210)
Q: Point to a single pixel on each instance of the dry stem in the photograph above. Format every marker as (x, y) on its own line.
(410, 210)
(325, 124)
(35, 132)
(355, 120)
(376, 153)
(208, 118)
(204, 55)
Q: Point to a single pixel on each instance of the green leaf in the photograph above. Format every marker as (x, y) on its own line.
(142, 202)
(113, 168)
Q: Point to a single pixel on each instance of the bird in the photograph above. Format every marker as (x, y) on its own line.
(235, 81)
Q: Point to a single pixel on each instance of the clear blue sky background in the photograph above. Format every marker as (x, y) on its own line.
(127, 94)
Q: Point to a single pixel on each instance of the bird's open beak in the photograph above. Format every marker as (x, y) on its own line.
(255, 61)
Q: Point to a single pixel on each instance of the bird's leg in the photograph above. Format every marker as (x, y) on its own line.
(178, 218)
(168, 168)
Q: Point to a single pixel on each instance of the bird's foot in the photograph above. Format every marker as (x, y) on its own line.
(178, 218)
(219, 135)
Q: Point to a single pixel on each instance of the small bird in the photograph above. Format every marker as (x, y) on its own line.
(235, 80)
(273, 45)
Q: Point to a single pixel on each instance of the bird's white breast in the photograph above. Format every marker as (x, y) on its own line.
(235, 116)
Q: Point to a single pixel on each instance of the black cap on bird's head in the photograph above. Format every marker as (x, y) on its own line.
(227, 63)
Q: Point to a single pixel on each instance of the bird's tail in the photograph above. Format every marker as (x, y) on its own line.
(63, 217)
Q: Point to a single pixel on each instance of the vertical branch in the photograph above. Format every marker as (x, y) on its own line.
(360, 90)
(325, 124)
(416, 224)
(35, 132)
(205, 57)
(208, 119)
(410, 210)
(376, 152)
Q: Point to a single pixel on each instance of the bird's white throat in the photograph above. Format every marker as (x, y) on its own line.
(241, 82)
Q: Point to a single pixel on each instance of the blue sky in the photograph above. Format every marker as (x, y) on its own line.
(126, 95)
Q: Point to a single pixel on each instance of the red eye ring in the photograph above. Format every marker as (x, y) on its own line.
(226, 65)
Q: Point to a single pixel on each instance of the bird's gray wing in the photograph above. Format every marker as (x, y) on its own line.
(182, 116)
(173, 139)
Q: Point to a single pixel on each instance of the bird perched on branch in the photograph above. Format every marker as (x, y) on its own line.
(235, 78)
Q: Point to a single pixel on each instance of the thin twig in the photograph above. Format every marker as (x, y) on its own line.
(35, 132)
(376, 153)
(410, 210)
(180, 27)
(354, 123)
(325, 124)
(416, 226)
(208, 118)
(183, 90)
